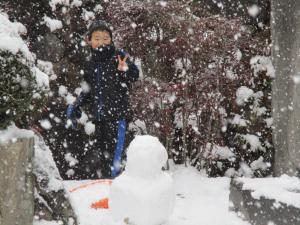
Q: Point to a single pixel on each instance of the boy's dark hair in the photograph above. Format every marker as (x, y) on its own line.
(98, 25)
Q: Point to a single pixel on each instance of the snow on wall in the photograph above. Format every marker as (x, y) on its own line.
(13, 133)
(284, 189)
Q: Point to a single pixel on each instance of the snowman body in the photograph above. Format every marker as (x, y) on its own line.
(143, 194)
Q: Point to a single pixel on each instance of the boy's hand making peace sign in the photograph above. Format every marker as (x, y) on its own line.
(122, 66)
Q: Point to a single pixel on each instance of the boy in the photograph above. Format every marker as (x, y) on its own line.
(109, 75)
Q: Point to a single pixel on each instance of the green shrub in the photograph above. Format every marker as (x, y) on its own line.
(21, 98)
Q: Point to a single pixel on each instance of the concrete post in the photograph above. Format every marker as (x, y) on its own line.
(285, 26)
(16, 184)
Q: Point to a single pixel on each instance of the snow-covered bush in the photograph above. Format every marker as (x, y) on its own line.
(200, 80)
(56, 33)
(252, 142)
(205, 79)
(23, 87)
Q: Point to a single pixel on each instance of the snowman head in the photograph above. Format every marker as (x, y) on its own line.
(145, 157)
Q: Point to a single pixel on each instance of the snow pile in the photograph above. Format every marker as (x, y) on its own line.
(98, 8)
(10, 39)
(262, 63)
(284, 189)
(221, 152)
(13, 133)
(45, 167)
(143, 194)
(269, 121)
(53, 24)
(239, 121)
(41, 78)
(47, 67)
(254, 142)
(243, 94)
(259, 164)
(198, 200)
(245, 170)
(231, 75)
(76, 3)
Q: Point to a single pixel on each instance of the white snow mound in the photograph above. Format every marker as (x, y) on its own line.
(143, 194)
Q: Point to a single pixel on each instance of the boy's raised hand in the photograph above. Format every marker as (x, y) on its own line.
(122, 66)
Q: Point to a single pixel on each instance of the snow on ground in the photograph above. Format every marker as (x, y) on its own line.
(82, 198)
(199, 200)
(44, 222)
(284, 189)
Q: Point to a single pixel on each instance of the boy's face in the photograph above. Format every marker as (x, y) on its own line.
(100, 38)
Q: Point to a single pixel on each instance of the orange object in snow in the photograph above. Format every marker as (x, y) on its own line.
(105, 181)
(101, 204)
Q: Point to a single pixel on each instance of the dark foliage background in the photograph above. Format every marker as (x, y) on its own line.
(195, 56)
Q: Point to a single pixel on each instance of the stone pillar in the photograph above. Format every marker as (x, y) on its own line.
(285, 26)
(16, 184)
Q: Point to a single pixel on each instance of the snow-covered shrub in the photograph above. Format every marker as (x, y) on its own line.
(55, 34)
(252, 140)
(23, 87)
(200, 82)
(195, 72)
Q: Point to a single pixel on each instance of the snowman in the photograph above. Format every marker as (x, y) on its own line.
(143, 194)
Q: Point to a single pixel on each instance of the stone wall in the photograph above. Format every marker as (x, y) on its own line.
(261, 211)
(16, 183)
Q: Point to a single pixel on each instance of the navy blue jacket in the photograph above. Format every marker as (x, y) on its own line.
(108, 87)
